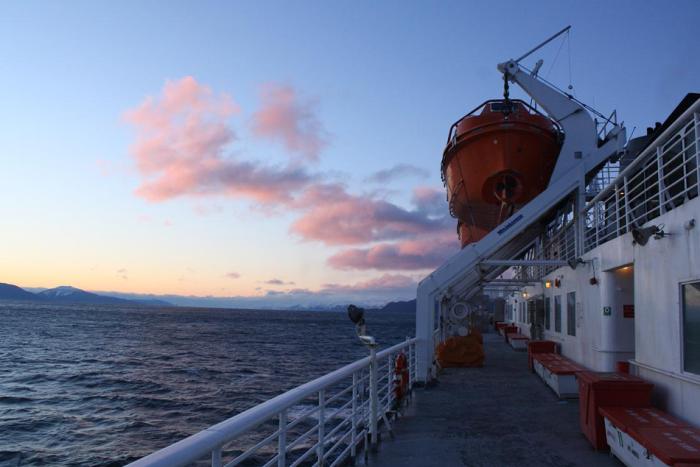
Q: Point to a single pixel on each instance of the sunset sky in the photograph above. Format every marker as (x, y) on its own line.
(279, 152)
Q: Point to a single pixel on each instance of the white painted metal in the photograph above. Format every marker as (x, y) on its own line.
(334, 437)
(581, 136)
(564, 386)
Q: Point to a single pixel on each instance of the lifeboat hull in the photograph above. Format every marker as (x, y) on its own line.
(496, 162)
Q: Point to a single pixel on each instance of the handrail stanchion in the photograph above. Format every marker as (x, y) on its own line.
(390, 362)
(216, 457)
(282, 440)
(373, 396)
(353, 419)
(321, 425)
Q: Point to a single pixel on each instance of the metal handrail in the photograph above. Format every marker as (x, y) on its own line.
(647, 152)
(665, 175)
(210, 441)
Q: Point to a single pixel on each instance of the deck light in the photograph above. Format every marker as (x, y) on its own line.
(641, 235)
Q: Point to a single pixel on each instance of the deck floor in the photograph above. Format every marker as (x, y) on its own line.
(498, 415)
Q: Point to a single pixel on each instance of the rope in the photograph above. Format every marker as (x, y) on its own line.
(568, 42)
(561, 45)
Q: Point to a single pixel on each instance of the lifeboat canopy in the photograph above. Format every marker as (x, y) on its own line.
(498, 157)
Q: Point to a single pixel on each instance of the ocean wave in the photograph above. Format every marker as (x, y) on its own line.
(101, 386)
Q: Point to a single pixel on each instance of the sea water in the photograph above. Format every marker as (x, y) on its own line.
(105, 385)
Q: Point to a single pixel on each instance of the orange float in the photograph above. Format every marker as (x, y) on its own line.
(498, 157)
(400, 376)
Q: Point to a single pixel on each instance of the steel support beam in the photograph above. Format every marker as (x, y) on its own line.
(523, 262)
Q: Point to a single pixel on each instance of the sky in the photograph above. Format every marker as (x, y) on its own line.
(279, 153)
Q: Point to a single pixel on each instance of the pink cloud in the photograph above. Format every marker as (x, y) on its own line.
(422, 253)
(284, 117)
(277, 282)
(180, 148)
(384, 283)
(397, 172)
(232, 275)
(335, 217)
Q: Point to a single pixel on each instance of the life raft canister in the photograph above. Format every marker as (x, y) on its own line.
(400, 376)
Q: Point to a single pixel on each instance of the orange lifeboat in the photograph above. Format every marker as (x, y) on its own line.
(496, 160)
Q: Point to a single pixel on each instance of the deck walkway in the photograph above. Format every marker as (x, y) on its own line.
(498, 415)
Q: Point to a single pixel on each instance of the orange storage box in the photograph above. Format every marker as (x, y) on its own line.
(598, 390)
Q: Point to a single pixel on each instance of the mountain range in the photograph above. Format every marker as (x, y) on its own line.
(70, 295)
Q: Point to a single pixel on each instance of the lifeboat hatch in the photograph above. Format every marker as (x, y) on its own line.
(505, 187)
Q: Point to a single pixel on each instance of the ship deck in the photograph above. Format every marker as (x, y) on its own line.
(501, 414)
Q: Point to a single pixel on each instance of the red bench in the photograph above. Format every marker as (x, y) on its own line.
(509, 329)
(535, 347)
(648, 436)
(517, 341)
(558, 372)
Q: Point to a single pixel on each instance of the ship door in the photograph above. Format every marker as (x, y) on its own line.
(535, 312)
(617, 317)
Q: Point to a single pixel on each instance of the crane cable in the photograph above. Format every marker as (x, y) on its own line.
(567, 40)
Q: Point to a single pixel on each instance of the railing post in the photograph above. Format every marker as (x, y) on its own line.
(696, 119)
(596, 213)
(626, 196)
(617, 211)
(282, 440)
(389, 381)
(321, 426)
(353, 420)
(660, 181)
(216, 457)
(373, 396)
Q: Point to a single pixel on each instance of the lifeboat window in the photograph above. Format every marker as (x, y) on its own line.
(502, 107)
(547, 313)
(557, 313)
(690, 294)
(571, 313)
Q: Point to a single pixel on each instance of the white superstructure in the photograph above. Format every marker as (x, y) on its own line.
(568, 261)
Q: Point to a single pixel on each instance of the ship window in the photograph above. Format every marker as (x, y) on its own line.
(691, 327)
(571, 313)
(547, 312)
(557, 313)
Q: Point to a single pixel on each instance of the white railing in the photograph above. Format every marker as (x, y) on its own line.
(664, 176)
(322, 422)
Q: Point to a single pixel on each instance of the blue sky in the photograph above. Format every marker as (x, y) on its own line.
(382, 80)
